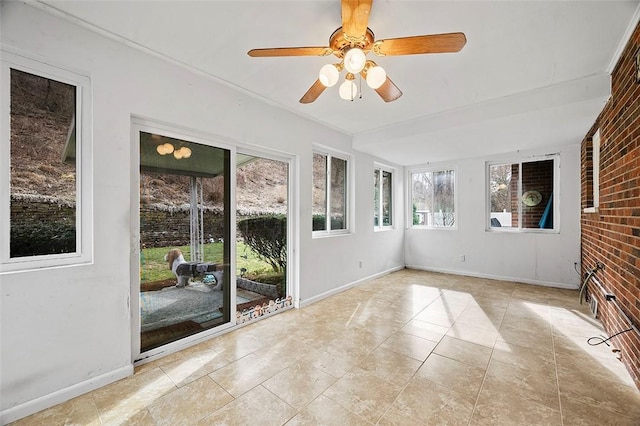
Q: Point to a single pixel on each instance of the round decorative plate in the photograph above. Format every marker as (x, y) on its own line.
(531, 198)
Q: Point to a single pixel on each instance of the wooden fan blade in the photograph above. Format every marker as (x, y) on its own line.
(355, 17)
(432, 43)
(312, 94)
(290, 51)
(389, 92)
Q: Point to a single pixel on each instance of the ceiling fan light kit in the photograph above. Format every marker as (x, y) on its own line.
(351, 43)
(329, 75)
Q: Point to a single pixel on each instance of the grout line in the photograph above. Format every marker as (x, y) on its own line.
(555, 366)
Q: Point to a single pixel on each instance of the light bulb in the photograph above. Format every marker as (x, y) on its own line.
(376, 76)
(328, 75)
(348, 90)
(168, 148)
(178, 154)
(354, 60)
(186, 152)
(160, 149)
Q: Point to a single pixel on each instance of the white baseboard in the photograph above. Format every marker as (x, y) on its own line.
(340, 289)
(496, 277)
(30, 407)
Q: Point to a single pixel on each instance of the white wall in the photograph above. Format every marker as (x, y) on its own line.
(537, 258)
(67, 330)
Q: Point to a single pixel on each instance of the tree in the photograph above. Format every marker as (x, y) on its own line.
(267, 236)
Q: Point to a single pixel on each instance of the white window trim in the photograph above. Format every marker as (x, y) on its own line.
(384, 168)
(349, 205)
(595, 164)
(84, 198)
(556, 195)
(410, 224)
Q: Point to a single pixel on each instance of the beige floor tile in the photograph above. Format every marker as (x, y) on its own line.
(538, 386)
(256, 406)
(364, 394)
(395, 417)
(508, 409)
(245, 374)
(542, 339)
(531, 358)
(191, 367)
(464, 379)
(123, 399)
(325, 412)
(335, 360)
(299, 384)
(190, 403)
(582, 414)
(79, 411)
(425, 330)
(465, 352)
(437, 316)
(409, 345)
(469, 333)
(431, 404)
(390, 366)
(141, 418)
(585, 387)
(358, 339)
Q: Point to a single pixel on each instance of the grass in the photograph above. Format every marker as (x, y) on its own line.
(154, 268)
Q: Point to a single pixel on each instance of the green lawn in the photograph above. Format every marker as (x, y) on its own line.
(154, 268)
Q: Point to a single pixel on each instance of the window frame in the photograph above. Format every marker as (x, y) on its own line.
(434, 169)
(84, 208)
(556, 195)
(331, 153)
(381, 227)
(595, 175)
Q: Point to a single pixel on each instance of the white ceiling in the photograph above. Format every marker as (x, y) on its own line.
(532, 73)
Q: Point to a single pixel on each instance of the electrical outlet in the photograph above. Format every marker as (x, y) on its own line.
(462, 258)
(360, 264)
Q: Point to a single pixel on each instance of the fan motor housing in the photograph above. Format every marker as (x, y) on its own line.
(341, 42)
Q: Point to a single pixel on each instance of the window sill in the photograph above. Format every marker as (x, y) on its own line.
(383, 228)
(590, 210)
(325, 234)
(435, 228)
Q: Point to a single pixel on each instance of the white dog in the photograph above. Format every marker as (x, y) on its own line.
(184, 270)
(175, 259)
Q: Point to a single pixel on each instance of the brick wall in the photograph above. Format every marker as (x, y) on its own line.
(536, 176)
(612, 234)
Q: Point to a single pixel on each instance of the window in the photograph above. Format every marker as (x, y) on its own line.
(330, 193)
(433, 203)
(593, 174)
(44, 150)
(383, 198)
(521, 195)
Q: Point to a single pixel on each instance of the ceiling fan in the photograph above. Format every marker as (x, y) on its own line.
(352, 42)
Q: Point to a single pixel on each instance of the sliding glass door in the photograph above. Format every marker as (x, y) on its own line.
(185, 239)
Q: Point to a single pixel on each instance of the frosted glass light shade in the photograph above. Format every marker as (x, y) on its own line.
(354, 60)
(164, 149)
(348, 90)
(328, 75)
(376, 76)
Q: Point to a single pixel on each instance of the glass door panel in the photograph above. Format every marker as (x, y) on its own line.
(261, 246)
(185, 239)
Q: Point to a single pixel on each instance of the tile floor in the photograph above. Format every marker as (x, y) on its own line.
(409, 348)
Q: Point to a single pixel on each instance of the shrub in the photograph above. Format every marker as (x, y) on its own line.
(37, 238)
(319, 222)
(267, 236)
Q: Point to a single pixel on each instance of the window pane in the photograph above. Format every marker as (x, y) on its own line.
(376, 197)
(422, 202)
(443, 199)
(386, 199)
(43, 166)
(319, 192)
(338, 193)
(537, 191)
(502, 187)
